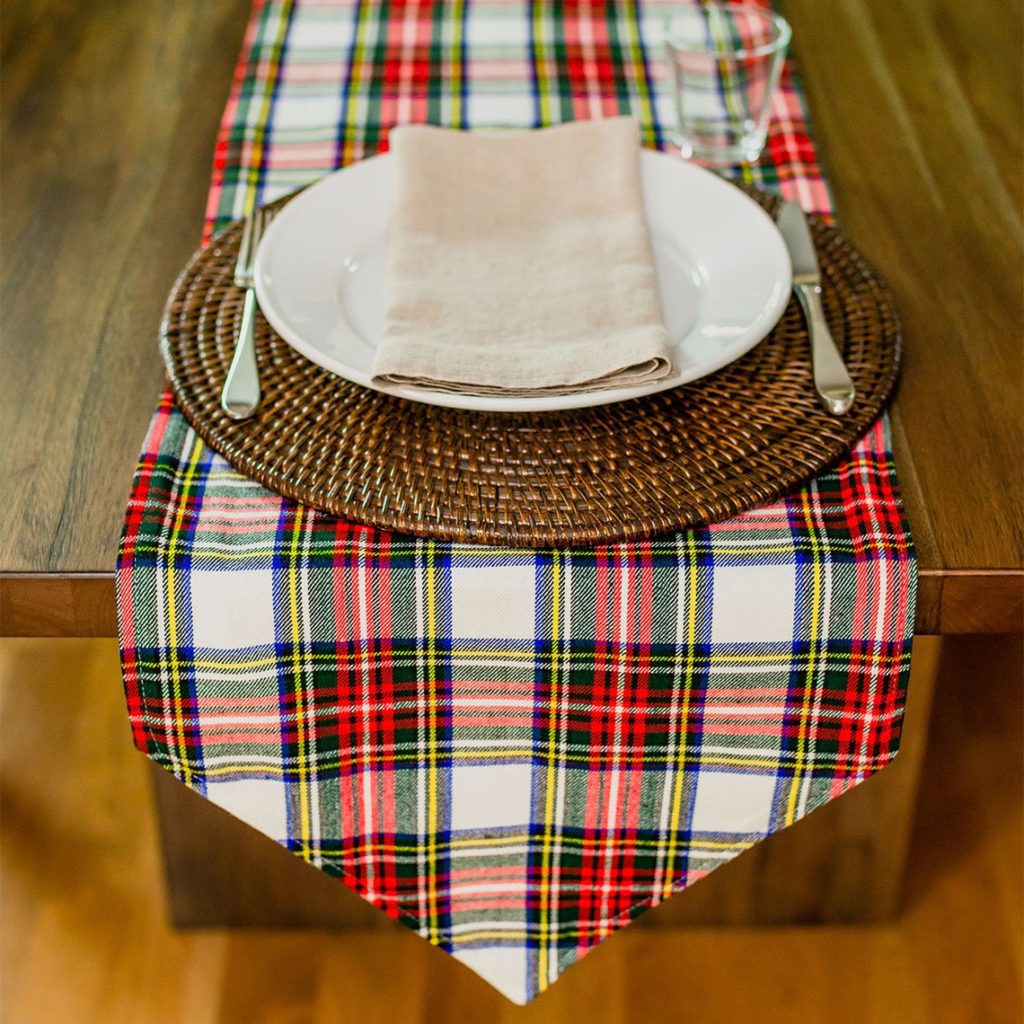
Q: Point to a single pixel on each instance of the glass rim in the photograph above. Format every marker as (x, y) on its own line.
(779, 23)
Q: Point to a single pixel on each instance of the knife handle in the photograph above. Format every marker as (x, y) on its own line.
(831, 379)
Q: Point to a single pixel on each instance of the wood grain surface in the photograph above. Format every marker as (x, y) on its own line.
(109, 113)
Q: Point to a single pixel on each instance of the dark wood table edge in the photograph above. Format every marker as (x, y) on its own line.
(66, 604)
(82, 604)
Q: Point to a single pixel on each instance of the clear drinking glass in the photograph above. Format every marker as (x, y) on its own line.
(724, 63)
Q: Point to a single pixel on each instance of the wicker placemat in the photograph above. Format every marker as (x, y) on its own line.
(700, 453)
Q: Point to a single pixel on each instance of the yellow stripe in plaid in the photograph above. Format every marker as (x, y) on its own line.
(433, 925)
(692, 599)
(544, 957)
(566, 759)
(546, 93)
(196, 456)
(457, 117)
(634, 660)
(637, 67)
(299, 684)
(253, 180)
(813, 642)
(359, 70)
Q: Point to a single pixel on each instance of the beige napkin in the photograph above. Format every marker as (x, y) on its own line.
(520, 264)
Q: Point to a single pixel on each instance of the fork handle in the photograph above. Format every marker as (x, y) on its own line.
(831, 379)
(241, 392)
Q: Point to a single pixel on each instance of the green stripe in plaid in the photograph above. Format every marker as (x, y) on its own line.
(515, 752)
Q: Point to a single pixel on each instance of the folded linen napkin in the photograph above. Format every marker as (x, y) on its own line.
(520, 264)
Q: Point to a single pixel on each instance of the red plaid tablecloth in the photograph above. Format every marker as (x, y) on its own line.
(514, 752)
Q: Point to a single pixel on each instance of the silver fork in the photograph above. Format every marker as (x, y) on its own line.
(241, 394)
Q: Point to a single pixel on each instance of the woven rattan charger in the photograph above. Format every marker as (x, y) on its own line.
(682, 458)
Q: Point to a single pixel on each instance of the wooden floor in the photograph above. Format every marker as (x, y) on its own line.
(85, 939)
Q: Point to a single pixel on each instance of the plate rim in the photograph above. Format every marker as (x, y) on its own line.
(533, 403)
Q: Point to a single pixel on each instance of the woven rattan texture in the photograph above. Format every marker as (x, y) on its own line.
(682, 458)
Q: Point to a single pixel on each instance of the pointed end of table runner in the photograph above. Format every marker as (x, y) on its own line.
(521, 937)
(564, 740)
(502, 967)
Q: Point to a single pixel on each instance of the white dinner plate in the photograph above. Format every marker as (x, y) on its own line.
(723, 273)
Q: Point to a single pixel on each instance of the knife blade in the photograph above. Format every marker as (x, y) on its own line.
(831, 379)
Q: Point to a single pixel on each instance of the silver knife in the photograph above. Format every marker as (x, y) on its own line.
(831, 378)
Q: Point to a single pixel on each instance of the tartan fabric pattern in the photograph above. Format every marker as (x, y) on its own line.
(514, 752)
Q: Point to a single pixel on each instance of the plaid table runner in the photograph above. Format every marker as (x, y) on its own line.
(513, 752)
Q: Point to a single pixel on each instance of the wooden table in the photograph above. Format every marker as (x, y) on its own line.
(108, 126)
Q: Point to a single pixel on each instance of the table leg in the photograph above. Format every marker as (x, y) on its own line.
(222, 873)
